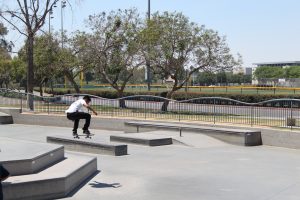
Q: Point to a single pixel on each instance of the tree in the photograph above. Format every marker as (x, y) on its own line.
(114, 46)
(5, 46)
(206, 78)
(221, 77)
(178, 45)
(31, 14)
(45, 53)
(74, 58)
(268, 72)
(5, 72)
(18, 71)
(292, 72)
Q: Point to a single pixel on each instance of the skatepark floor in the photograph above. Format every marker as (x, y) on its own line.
(197, 168)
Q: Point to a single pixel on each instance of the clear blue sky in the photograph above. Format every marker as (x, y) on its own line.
(260, 30)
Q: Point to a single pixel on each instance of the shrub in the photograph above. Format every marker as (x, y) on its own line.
(249, 98)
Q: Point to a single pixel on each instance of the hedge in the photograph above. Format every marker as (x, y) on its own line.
(249, 98)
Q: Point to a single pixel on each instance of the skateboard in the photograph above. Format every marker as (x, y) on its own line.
(77, 136)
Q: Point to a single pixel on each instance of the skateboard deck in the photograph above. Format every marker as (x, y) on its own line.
(85, 135)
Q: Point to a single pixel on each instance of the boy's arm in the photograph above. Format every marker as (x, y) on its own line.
(90, 108)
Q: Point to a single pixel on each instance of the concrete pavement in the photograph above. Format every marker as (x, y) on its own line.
(203, 168)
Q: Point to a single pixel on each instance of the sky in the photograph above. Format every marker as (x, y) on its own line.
(260, 30)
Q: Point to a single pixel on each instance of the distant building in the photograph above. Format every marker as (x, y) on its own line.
(278, 64)
(278, 82)
(248, 71)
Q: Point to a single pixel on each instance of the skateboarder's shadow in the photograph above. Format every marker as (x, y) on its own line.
(97, 184)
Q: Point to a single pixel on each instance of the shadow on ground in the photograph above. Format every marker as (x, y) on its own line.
(97, 184)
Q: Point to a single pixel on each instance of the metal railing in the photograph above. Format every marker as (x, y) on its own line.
(272, 113)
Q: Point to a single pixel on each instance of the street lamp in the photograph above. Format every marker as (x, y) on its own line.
(148, 61)
(63, 5)
(50, 17)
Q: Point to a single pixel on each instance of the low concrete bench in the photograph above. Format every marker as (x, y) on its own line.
(233, 136)
(5, 118)
(23, 157)
(89, 145)
(142, 139)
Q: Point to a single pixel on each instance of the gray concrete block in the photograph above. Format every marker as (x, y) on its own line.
(55, 182)
(89, 145)
(23, 157)
(6, 119)
(142, 139)
(233, 136)
(62, 121)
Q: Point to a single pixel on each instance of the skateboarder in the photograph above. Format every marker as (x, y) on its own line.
(75, 113)
(4, 174)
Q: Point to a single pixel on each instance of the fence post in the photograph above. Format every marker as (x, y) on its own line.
(291, 113)
(48, 106)
(112, 105)
(214, 111)
(145, 109)
(21, 103)
(252, 117)
(179, 113)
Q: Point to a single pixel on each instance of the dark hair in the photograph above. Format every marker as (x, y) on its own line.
(87, 98)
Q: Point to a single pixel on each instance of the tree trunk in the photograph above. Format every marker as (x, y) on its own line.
(52, 89)
(41, 89)
(122, 103)
(30, 72)
(73, 82)
(164, 107)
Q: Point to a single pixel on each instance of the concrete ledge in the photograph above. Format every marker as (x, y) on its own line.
(61, 120)
(233, 136)
(55, 182)
(6, 119)
(142, 139)
(21, 157)
(88, 145)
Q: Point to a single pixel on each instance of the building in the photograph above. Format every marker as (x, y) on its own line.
(248, 71)
(280, 81)
(278, 64)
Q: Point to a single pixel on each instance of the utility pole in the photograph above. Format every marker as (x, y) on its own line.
(148, 61)
(63, 5)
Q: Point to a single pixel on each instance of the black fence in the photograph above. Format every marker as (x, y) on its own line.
(273, 113)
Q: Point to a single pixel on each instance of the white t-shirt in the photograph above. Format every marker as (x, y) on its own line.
(76, 106)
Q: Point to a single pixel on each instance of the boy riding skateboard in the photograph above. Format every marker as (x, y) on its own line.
(75, 113)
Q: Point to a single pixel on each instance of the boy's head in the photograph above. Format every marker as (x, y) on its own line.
(87, 99)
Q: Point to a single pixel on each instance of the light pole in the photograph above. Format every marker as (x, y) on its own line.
(148, 61)
(50, 17)
(63, 5)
